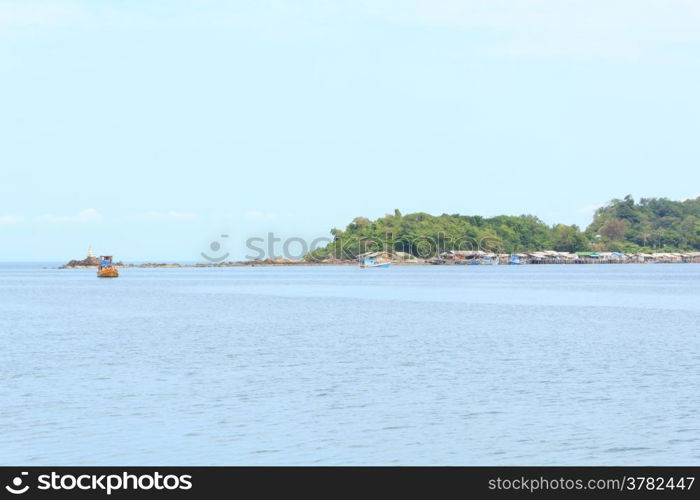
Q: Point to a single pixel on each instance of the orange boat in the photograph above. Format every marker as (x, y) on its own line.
(105, 269)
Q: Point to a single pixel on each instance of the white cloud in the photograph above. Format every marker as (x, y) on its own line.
(87, 215)
(563, 27)
(512, 28)
(10, 219)
(169, 215)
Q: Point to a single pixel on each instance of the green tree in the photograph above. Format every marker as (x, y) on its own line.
(569, 239)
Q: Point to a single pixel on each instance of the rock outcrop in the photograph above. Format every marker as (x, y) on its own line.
(89, 261)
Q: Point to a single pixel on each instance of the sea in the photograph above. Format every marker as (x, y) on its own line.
(410, 365)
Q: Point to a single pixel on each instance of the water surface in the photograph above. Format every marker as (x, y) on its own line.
(488, 365)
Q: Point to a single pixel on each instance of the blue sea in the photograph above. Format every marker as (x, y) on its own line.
(475, 365)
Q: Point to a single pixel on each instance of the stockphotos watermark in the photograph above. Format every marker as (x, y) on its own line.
(104, 483)
(295, 247)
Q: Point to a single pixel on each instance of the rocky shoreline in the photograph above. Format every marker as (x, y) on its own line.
(92, 262)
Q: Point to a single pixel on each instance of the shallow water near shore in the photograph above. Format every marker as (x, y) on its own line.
(539, 365)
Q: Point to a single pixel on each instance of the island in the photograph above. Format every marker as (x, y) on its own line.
(653, 230)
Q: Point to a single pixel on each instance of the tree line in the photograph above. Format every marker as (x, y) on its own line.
(623, 225)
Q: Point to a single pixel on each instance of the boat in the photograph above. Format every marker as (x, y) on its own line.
(105, 269)
(489, 260)
(373, 262)
(515, 260)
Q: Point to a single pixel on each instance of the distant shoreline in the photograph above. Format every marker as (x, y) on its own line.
(152, 265)
(452, 257)
(175, 265)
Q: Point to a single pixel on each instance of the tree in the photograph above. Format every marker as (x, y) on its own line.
(653, 222)
(569, 239)
(358, 223)
(615, 229)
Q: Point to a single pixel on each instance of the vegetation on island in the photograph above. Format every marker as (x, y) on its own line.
(651, 225)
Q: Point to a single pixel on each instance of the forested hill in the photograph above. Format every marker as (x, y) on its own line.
(653, 224)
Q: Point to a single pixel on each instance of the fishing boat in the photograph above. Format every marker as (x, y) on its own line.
(105, 269)
(515, 260)
(488, 260)
(373, 262)
(374, 259)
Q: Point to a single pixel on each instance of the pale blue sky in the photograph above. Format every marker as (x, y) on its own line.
(148, 128)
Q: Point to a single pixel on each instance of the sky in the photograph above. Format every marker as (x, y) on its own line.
(148, 129)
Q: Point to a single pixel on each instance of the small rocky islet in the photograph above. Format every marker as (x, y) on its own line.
(91, 262)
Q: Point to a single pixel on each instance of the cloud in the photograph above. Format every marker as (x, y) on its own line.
(169, 215)
(87, 215)
(554, 28)
(10, 219)
(508, 28)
